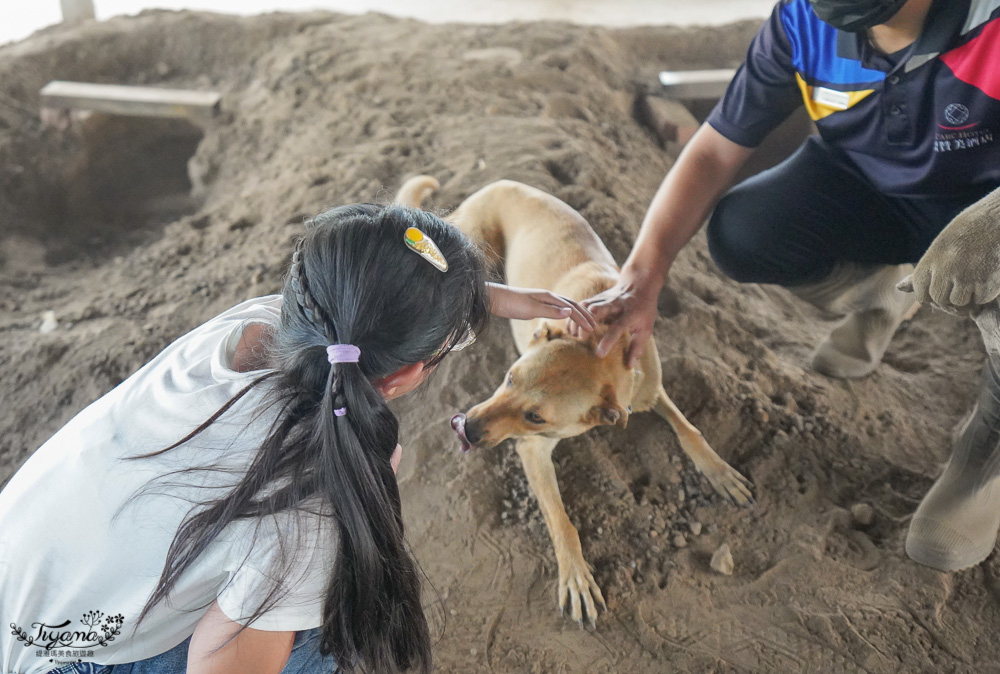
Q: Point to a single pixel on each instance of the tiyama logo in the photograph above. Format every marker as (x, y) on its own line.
(956, 113)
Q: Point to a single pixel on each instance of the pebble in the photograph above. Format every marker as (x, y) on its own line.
(680, 541)
(473, 652)
(863, 514)
(722, 560)
(49, 323)
(696, 528)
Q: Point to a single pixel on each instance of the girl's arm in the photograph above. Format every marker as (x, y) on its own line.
(251, 652)
(528, 303)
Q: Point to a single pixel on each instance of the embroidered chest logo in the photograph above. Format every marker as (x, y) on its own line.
(956, 113)
(955, 132)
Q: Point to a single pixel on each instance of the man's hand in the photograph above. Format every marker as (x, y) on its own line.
(961, 269)
(629, 306)
(528, 303)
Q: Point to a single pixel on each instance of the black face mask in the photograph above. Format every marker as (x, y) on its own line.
(855, 15)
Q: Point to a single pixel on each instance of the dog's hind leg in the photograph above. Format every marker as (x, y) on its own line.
(726, 479)
(576, 582)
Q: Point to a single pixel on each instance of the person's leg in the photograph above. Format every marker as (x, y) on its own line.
(791, 225)
(173, 661)
(79, 668)
(306, 658)
(816, 226)
(956, 524)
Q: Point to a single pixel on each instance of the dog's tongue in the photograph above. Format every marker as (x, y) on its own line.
(458, 423)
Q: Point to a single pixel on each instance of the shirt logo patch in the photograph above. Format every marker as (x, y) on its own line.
(956, 113)
(839, 100)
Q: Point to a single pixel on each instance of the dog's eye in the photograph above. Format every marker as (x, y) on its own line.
(510, 379)
(534, 417)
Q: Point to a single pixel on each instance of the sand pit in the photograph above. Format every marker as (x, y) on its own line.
(323, 109)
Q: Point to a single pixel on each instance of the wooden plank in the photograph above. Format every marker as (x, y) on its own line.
(682, 85)
(127, 100)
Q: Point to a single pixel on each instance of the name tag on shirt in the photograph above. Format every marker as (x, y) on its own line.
(834, 99)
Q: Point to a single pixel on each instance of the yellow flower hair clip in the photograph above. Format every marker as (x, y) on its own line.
(424, 246)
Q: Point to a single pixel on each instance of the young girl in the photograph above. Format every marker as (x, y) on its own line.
(232, 506)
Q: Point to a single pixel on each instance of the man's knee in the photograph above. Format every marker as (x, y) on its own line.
(735, 244)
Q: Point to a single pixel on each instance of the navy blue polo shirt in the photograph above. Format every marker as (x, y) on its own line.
(925, 121)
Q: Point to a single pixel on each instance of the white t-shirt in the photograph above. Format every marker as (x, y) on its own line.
(64, 555)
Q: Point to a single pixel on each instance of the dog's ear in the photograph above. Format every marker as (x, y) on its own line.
(610, 412)
(547, 332)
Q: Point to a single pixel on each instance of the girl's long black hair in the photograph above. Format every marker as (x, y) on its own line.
(353, 281)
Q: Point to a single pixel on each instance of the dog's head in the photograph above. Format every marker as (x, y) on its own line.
(559, 388)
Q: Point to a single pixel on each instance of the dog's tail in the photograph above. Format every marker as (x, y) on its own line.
(415, 190)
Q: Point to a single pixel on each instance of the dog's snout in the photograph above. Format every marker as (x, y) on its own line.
(473, 430)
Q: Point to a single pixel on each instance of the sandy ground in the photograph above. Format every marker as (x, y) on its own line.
(323, 109)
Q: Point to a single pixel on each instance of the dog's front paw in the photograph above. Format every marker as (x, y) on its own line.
(730, 483)
(724, 478)
(578, 588)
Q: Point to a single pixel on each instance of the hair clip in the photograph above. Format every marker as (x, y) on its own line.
(424, 246)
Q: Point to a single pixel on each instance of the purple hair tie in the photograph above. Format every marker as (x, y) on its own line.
(342, 353)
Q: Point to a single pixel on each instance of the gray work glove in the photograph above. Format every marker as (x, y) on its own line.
(961, 269)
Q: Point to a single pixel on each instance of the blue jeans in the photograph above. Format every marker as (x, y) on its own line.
(305, 659)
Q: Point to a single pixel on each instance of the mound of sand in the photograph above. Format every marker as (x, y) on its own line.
(103, 228)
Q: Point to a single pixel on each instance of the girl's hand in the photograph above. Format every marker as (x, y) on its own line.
(528, 303)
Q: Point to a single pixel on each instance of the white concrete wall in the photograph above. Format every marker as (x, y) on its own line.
(19, 18)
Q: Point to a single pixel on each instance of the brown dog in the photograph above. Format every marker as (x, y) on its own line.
(559, 388)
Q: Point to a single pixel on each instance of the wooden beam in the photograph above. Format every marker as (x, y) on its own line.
(126, 100)
(681, 85)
